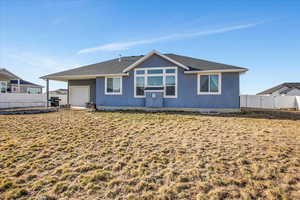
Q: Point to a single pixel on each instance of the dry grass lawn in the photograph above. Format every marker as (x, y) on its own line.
(111, 155)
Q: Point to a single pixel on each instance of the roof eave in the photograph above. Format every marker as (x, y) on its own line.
(75, 77)
(216, 70)
(10, 75)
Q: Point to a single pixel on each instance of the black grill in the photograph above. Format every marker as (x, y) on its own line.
(54, 101)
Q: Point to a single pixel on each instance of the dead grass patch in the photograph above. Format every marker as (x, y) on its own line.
(112, 155)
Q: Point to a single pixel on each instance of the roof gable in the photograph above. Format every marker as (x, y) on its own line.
(155, 61)
(152, 53)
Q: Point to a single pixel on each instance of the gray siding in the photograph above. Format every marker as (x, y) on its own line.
(187, 90)
(90, 82)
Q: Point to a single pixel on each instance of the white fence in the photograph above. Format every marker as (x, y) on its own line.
(13, 100)
(270, 102)
(21, 100)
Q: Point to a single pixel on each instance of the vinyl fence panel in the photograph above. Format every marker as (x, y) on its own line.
(13, 100)
(269, 102)
(285, 102)
(23, 100)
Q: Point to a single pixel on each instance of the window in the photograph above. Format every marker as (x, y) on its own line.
(33, 90)
(113, 85)
(170, 71)
(3, 86)
(209, 83)
(140, 86)
(214, 83)
(170, 85)
(204, 82)
(156, 77)
(155, 81)
(155, 71)
(140, 72)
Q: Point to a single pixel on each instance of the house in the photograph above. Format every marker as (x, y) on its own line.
(25, 87)
(155, 80)
(10, 83)
(286, 89)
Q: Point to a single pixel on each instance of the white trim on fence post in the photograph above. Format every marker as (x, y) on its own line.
(68, 93)
(47, 92)
(297, 98)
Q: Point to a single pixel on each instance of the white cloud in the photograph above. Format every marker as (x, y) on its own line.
(41, 62)
(125, 45)
(32, 65)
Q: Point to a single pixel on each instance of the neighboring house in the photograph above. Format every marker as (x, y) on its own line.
(10, 83)
(59, 92)
(25, 87)
(286, 89)
(5, 77)
(164, 81)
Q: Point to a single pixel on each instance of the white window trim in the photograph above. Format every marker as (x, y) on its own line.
(164, 74)
(209, 93)
(113, 93)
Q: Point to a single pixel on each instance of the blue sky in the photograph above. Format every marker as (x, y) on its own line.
(38, 37)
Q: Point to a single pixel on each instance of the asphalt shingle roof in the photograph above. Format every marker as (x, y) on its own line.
(7, 74)
(23, 82)
(114, 66)
(289, 87)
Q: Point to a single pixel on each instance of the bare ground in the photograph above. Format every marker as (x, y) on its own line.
(111, 155)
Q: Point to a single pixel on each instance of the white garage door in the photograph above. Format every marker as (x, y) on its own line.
(79, 95)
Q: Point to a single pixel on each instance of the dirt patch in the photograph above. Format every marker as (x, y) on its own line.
(112, 155)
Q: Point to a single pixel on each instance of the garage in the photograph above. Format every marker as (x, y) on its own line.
(79, 95)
